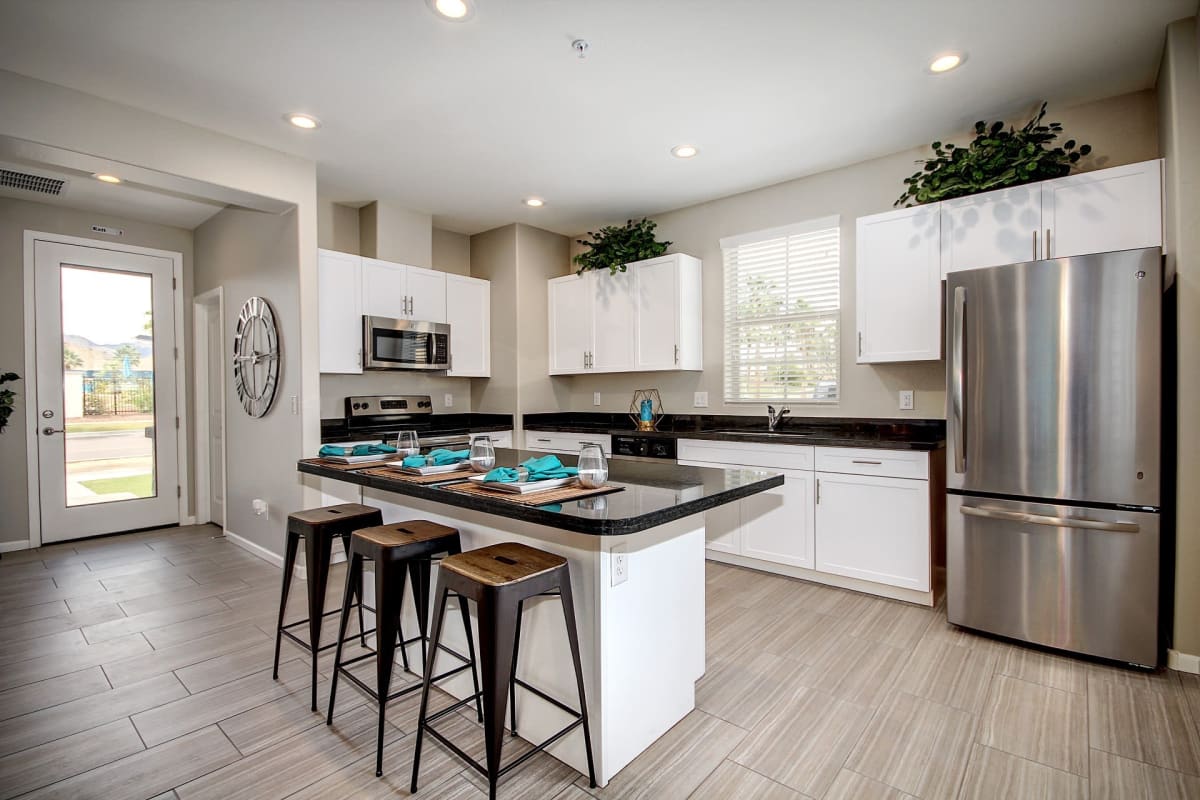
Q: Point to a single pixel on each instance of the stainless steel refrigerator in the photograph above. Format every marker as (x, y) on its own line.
(1053, 441)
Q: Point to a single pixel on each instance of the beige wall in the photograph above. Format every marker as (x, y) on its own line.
(494, 258)
(1179, 116)
(389, 232)
(451, 252)
(337, 227)
(16, 217)
(1121, 129)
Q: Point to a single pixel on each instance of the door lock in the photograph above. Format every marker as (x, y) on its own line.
(50, 431)
(48, 414)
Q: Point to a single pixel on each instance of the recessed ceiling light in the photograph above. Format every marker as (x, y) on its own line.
(534, 202)
(100, 176)
(947, 62)
(684, 150)
(453, 10)
(305, 121)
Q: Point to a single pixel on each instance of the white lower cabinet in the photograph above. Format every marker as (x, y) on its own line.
(566, 442)
(723, 528)
(874, 529)
(499, 438)
(777, 525)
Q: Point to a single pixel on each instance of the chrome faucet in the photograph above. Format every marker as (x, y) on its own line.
(773, 417)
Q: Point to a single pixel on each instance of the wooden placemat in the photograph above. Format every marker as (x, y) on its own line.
(395, 474)
(330, 464)
(563, 495)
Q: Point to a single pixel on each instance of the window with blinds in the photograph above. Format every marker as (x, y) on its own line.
(782, 310)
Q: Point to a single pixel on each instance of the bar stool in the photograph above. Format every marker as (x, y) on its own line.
(500, 578)
(318, 527)
(402, 550)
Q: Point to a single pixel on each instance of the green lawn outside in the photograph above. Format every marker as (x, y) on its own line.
(108, 425)
(137, 485)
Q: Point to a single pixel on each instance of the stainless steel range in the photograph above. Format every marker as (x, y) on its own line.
(383, 416)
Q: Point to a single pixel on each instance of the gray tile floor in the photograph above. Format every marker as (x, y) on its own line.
(139, 667)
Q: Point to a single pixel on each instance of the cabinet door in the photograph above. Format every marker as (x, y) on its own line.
(570, 323)
(468, 310)
(875, 529)
(339, 311)
(1102, 211)
(777, 525)
(383, 289)
(723, 524)
(613, 322)
(898, 280)
(426, 289)
(657, 314)
(993, 228)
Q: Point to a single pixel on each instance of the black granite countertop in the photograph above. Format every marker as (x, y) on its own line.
(885, 434)
(654, 494)
(334, 429)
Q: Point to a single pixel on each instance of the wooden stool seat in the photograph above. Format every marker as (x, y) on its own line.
(346, 513)
(503, 564)
(402, 534)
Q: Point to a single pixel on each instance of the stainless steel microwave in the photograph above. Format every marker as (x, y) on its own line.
(405, 344)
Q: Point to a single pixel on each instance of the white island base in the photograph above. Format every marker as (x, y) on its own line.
(641, 641)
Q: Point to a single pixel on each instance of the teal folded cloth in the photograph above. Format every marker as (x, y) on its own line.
(415, 461)
(502, 475)
(539, 469)
(358, 450)
(442, 458)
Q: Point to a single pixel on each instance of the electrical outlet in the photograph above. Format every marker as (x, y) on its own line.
(700, 400)
(260, 507)
(906, 399)
(295, 406)
(449, 400)
(620, 565)
(595, 398)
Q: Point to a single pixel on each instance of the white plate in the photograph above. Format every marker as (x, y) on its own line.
(357, 459)
(524, 487)
(455, 467)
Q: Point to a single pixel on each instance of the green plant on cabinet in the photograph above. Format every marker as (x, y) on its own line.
(614, 246)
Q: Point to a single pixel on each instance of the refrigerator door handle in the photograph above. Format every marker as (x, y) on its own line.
(958, 379)
(1055, 522)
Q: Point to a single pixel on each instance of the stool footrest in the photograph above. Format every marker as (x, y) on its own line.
(412, 687)
(308, 646)
(546, 697)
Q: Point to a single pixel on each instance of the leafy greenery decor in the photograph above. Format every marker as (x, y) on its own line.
(614, 246)
(7, 396)
(995, 159)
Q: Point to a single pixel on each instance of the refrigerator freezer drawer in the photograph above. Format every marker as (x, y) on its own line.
(1078, 579)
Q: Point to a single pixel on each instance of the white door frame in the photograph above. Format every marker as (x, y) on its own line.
(204, 305)
(30, 376)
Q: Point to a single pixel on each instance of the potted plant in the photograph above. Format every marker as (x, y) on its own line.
(7, 398)
(995, 159)
(614, 246)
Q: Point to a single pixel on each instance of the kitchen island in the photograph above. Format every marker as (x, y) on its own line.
(636, 558)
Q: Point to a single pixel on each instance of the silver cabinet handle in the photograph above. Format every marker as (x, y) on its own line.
(1035, 246)
(1054, 522)
(860, 344)
(543, 441)
(864, 461)
(676, 354)
(1046, 244)
(818, 491)
(958, 378)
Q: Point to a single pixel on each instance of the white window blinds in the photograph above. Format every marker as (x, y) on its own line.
(782, 309)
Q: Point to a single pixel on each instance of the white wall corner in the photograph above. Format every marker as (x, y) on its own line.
(1183, 662)
(20, 544)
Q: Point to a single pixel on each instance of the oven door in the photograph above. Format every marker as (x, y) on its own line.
(405, 344)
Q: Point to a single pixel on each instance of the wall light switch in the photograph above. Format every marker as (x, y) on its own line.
(700, 400)
(449, 400)
(906, 399)
(295, 405)
(595, 398)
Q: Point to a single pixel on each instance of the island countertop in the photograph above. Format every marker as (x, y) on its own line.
(652, 494)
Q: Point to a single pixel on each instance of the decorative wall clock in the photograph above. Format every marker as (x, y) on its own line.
(256, 357)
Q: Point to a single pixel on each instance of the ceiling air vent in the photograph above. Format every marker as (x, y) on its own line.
(31, 183)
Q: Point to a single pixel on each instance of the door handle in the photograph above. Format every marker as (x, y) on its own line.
(1055, 522)
(958, 378)
(1035, 247)
(49, 431)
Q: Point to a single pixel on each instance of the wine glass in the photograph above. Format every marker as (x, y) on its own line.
(407, 443)
(593, 469)
(483, 454)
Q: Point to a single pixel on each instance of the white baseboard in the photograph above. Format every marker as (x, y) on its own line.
(1183, 662)
(21, 544)
(188, 520)
(266, 555)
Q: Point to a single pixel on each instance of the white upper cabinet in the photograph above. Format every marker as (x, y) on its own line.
(898, 286)
(668, 320)
(646, 318)
(613, 340)
(339, 311)
(469, 312)
(992, 228)
(1104, 210)
(571, 331)
(403, 292)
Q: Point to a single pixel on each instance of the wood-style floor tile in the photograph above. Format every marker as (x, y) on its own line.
(357, 779)
(150, 620)
(231, 666)
(1117, 778)
(892, 622)
(50, 666)
(675, 765)
(269, 723)
(150, 772)
(916, 745)
(857, 670)
(52, 691)
(1144, 724)
(732, 780)
(744, 691)
(851, 786)
(805, 742)
(191, 629)
(995, 775)
(155, 662)
(1048, 669)
(948, 674)
(62, 758)
(1036, 722)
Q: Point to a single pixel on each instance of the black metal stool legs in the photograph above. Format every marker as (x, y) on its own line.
(354, 570)
(362, 630)
(512, 677)
(289, 568)
(317, 566)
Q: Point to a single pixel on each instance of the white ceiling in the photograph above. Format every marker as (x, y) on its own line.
(462, 120)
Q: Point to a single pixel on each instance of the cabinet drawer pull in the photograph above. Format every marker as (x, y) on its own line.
(818, 491)
(865, 461)
(543, 441)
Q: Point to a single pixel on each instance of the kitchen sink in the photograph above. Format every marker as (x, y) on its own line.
(772, 434)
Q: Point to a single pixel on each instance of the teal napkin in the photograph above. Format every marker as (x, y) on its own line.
(358, 450)
(502, 475)
(414, 461)
(442, 458)
(540, 469)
